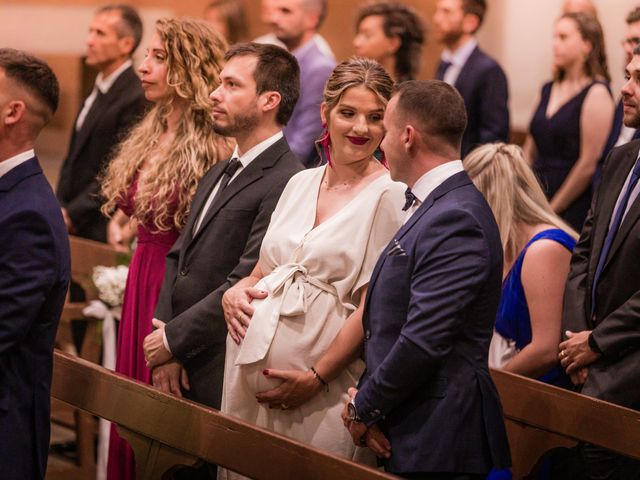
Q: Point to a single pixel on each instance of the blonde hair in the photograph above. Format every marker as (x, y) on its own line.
(512, 190)
(195, 55)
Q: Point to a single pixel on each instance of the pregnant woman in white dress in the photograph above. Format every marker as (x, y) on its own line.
(325, 236)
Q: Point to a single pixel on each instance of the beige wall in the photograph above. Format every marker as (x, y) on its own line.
(517, 32)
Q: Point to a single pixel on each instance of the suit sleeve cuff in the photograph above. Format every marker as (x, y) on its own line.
(166, 342)
(368, 415)
(593, 345)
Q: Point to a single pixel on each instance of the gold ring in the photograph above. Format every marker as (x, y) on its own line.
(284, 406)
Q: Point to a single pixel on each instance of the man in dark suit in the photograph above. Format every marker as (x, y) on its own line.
(620, 133)
(34, 266)
(114, 105)
(229, 217)
(602, 295)
(478, 77)
(431, 306)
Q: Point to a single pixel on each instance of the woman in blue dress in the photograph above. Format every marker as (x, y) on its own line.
(537, 249)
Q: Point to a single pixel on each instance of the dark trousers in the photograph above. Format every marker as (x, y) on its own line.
(602, 464)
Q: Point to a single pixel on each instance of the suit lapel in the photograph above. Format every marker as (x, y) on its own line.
(17, 174)
(466, 70)
(455, 181)
(611, 193)
(101, 102)
(246, 177)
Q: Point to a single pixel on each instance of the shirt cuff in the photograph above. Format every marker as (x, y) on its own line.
(165, 342)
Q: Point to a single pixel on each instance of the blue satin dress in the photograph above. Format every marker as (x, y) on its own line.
(513, 321)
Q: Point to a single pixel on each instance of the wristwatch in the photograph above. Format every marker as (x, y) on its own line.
(352, 413)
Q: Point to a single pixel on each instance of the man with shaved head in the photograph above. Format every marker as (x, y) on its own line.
(34, 266)
(295, 23)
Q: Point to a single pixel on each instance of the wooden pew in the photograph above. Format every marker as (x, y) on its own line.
(540, 417)
(85, 254)
(166, 431)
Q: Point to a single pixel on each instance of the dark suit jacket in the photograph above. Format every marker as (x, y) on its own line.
(616, 320)
(483, 86)
(428, 322)
(224, 250)
(614, 134)
(109, 121)
(34, 275)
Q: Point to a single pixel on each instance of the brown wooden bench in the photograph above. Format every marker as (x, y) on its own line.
(166, 431)
(540, 417)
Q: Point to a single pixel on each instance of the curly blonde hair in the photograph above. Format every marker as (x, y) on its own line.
(195, 54)
(512, 191)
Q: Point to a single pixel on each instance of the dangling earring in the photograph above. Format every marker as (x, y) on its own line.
(379, 155)
(323, 144)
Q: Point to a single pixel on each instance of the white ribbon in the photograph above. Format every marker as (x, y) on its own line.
(287, 297)
(97, 309)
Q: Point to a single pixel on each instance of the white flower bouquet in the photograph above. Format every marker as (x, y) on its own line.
(110, 283)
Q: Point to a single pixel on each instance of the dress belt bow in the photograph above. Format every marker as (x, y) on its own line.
(286, 287)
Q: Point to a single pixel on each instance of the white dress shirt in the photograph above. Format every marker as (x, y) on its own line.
(245, 160)
(457, 60)
(431, 180)
(102, 84)
(11, 163)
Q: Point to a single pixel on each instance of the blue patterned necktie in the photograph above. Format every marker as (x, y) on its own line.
(611, 234)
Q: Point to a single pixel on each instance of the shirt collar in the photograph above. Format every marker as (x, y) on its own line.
(256, 150)
(431, 180)
(104, 84)
(303, 50)
(461, 55)
(16, 160)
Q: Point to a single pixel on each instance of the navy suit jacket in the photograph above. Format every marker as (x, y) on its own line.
(34, 275)
(108, 121)
(428, 322)
(483, 86)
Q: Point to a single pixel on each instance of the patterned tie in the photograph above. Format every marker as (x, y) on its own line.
(411, 199)
(611, 234)
(443, 66)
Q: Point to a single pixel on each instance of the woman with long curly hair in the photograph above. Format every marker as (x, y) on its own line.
(153, 177)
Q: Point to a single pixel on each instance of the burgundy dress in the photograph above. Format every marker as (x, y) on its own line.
(146, 273)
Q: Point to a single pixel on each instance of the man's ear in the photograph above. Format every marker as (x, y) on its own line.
(13, 112)
(470, 23)
(409, 137)
(270, 100)
(126, 45)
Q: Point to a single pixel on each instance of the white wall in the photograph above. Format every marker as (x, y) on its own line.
(519, 32)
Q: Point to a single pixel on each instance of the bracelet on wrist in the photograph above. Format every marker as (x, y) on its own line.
(322, 381)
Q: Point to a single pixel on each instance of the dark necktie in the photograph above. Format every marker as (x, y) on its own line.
(231, 168)
(443, 66)
(611, 234)
(410, 199)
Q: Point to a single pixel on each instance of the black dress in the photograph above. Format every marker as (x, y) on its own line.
(557, 140)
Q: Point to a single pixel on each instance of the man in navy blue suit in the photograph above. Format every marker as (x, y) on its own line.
(477, 76)
(34, 266)
(426, 403)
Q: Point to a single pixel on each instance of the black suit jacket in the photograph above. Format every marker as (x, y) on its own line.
(483, 86)
(109, 121)
(200, 268)
(34, 275)
(615, 323)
